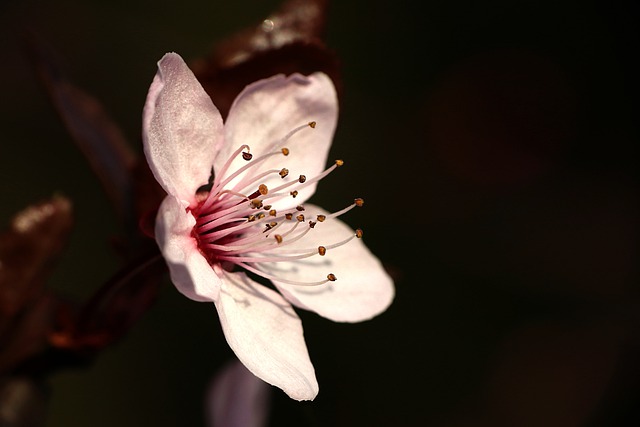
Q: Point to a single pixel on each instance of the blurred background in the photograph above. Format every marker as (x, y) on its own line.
(495, 144)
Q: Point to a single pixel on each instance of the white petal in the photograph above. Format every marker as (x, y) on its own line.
(363, 289)
(181, 129)
(266, 111)
(266, 334)
(190, 272)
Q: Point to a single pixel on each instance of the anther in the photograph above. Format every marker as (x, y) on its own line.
(331, 277)
(300, 218)
(302, 179)
(251, 218)
(285, 151)
(247, 156)
(339, 163)
(272, 212)
(288, 216)
(266, 207)
(294, 193)
(299, 208)
(312, 224)
(263, 189)
(359, 233)
(256, 204)
(359, 202)
(261, 215)
(312, 125)
(321, 251)
(283, 172)
(278, 238)
(321, 218)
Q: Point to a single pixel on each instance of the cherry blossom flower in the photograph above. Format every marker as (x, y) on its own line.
(234, 219)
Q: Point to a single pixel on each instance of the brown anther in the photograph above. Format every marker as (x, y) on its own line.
(288, 216)
(302, 179)
(312, 224)
(294, 193)
(332, 277)
(261, 215)
(273, 223)
(251, 218)
(312, 125)
(339, 162)
(263, 189)
(247, 156)
(283, 172)
(299, 208)
(321, 218)
(285, 151)
(359, 233)
(321, 251)
(359, 202)
(256, 204)
(300, 218)
(272, 212)
(278, 238)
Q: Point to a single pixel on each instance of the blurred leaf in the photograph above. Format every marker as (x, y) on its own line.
(287, 41)
(28, 250)
(23, 402)
(94, 132)
(113, 309)
(28, 336)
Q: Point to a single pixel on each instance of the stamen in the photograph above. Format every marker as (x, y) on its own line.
(229, 228)
(228, 163)
(241, 170)
(357, 202)
(330, 277)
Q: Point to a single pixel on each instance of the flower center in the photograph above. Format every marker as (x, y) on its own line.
(236, 223)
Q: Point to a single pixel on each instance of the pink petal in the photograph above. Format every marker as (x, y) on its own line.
(266, 111)
(237, 398)
(363, 289)
(181, 128)
(190, 272)
(266, 334)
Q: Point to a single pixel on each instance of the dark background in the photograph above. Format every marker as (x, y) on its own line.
(495, 144)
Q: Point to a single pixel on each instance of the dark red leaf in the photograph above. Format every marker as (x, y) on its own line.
(288, 41)
(113, 309)
(28, 250)
(97, 136)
